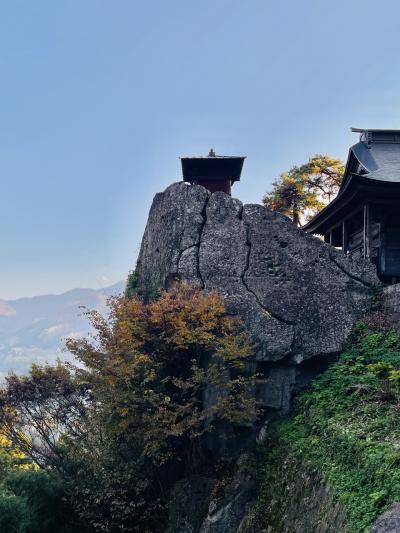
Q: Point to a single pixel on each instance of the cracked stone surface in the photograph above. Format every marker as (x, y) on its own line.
(298, 295)
(174, 227)
(388, 522)
(391, 299)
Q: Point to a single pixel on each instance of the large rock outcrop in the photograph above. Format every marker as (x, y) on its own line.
(298, 500)
(298, 295)
(391, 300)
(388, 522)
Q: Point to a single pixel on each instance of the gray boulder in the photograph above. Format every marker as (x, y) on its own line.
(298, 295)
(230, 514)
(391, 299)
(388, 522)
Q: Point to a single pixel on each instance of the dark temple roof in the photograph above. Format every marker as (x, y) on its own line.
(212, 167)
(373, 164)
(378, 154)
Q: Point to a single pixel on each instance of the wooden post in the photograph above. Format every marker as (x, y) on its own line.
(344, 237)
(367, 231)
(382, 248)
(331, 238)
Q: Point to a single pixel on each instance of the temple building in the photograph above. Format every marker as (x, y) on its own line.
(364, 218)
(214, 172)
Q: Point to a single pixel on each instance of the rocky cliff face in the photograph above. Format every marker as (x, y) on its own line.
(298, 296)
(299, 500)
(389, 522)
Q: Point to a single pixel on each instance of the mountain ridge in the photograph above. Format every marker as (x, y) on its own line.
(32, 329)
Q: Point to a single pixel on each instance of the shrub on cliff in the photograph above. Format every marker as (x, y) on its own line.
(32, 500)
(347, 428)
(121, 427)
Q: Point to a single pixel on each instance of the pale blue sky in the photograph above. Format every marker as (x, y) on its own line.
(99, 98)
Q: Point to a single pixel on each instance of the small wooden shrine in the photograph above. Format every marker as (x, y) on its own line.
(364, 218)
(214, 172)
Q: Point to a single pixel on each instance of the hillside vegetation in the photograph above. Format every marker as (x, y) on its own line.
(99, 447)
(109, 437)
(344, 435)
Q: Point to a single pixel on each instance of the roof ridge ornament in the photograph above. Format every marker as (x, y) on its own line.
(368, 135)
(365, 135)
(211, 153)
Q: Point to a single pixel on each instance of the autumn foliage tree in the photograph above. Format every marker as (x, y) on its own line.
(151, 363)
(134, 407)
(306, 189)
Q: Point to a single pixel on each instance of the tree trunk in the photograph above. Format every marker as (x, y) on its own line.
(296, 216)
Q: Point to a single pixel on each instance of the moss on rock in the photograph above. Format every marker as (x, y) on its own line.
(334, 465)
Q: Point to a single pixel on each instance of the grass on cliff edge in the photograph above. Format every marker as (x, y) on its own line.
(346, 425)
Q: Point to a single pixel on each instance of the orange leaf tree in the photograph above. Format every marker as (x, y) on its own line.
(306, 189)
(124, 423)
(151, 365)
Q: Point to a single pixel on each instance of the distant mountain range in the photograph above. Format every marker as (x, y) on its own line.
(34, 329)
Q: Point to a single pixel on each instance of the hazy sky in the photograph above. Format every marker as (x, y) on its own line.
(99, 98)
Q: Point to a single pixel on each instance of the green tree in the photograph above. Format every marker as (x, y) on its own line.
(131, 284)
(306, 189)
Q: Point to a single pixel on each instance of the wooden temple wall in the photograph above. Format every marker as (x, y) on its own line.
(355, 243)
(361, 235)
(375, 240)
